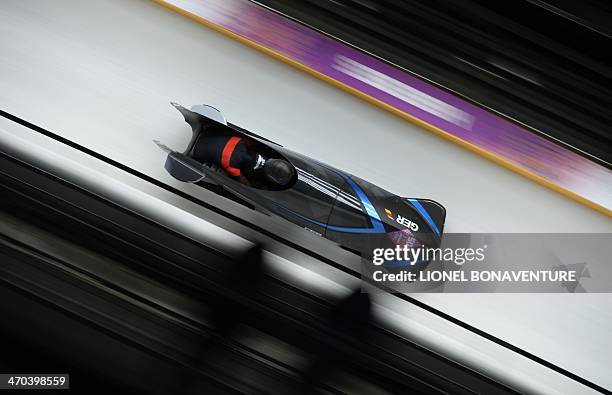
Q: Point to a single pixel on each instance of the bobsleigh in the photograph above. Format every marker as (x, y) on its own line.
(345, 209)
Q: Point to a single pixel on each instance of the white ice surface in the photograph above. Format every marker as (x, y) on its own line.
(102, 73)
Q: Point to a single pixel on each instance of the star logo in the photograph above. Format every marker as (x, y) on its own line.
(581, 272)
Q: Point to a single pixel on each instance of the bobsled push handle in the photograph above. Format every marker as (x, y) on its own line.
(199, 117)
(183, 168)
(209, 112)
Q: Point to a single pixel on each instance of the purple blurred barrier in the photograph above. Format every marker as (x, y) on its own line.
(398, 91)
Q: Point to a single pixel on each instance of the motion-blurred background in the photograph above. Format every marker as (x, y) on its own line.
(130, 281)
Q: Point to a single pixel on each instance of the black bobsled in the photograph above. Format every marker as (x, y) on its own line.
(354, 213)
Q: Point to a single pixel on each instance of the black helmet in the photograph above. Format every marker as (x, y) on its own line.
(279, 172)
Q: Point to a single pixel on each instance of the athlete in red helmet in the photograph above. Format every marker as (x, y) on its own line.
(232, 153)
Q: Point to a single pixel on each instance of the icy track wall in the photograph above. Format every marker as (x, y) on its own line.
(401, 93)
